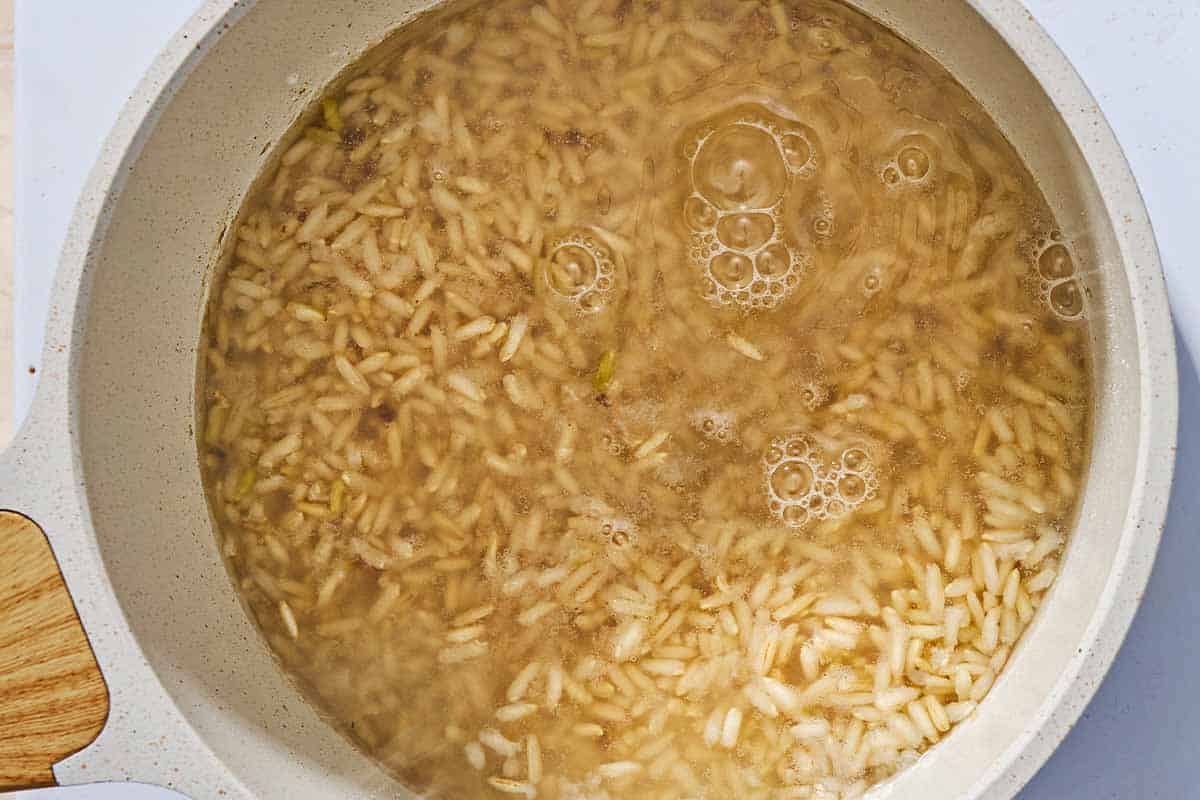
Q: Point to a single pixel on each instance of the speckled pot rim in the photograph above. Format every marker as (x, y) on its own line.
(42, 471)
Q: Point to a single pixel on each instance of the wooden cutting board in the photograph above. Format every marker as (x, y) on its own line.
(53, 701)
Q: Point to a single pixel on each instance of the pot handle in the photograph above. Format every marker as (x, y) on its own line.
(53, 699)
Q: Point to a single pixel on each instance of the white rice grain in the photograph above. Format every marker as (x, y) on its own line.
(516, 335)
(475, 755)
(495, 741)
(289, 620)
(744, 347)
(515, 711)
(614, 770)
(731, 728)
(533, 756)
(474, 328)
(510, 786)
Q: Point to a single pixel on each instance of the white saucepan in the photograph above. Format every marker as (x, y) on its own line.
(107, 463)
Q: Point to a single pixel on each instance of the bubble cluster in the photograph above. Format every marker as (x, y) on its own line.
(1060, 287)
(618, 531)
(911, 165)
(813, 395)
(580, 270)
(804, 484)
(716, 426)
(740, 174)
(599, 521)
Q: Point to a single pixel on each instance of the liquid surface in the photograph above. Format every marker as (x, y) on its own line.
(673, 400)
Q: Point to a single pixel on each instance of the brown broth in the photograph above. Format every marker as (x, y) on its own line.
(674, 400)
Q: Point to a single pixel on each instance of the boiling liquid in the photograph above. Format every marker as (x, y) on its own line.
(611, 400)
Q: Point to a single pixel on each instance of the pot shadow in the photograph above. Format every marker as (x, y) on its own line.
(1133, 735)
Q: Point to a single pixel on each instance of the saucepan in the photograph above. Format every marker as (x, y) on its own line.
(107, 465)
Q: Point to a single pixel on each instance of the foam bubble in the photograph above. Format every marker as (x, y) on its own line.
(1065, 298)
(855, 460)
(699, 214)
(913, 162)
(791, 481)
(797, 447)
(739, 168)
(591, 302)
(853, 488)
(732, 270)
(573, 269)
(794, 516)
(1055, 262)
(745, 231)
(797, 150)
(773, 260)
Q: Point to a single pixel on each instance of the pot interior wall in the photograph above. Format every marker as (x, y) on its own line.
(133, 387)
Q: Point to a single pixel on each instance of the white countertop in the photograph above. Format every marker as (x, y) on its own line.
(77, 60)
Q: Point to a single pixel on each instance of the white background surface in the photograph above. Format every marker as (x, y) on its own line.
(77, 61)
